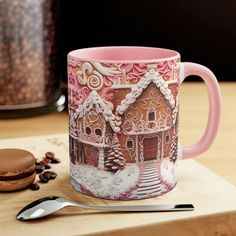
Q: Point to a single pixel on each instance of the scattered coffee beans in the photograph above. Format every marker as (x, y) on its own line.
(37, 162)
(39, 169)
(44, 162)
(50, 155)
(55, 161)
(43, 179)
(34, 186)
(41, 166)
(47, 175)
(47, 160)
(52, 174)
(47, 166)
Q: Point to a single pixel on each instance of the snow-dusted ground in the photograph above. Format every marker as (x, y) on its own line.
(168, 172)
(148, 179)
(104, 184)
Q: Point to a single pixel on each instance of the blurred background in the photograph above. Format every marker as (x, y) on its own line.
(36, 36)
(202, 31)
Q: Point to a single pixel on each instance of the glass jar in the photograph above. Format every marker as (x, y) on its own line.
(29, 74)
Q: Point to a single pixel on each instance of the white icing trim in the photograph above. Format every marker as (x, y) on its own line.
(95, 100)
(172, 81)
(136, 91)
(121, 86)
(100, 145)
(148, 131)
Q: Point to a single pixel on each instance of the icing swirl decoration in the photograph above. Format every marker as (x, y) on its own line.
(92, 78)
(108, 94)
(95, 81)
(71, 62)
(82, 75)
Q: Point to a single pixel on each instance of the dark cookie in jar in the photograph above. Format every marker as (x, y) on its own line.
(17, 169)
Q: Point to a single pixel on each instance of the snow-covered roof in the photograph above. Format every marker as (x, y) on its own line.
(95, 100)
(136, 91)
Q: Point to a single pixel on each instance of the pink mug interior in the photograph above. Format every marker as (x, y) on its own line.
(125, 54)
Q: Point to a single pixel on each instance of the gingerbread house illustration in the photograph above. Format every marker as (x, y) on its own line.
(142, 119)
(95, 125)
(147, 119)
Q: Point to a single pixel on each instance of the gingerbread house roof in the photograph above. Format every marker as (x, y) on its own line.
(95, 100)
(151, 76)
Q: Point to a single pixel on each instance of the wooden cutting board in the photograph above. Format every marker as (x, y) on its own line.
(214, 200)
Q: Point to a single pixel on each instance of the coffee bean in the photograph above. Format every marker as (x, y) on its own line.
(50, 155)
(53, 174)
(47, 175)
(34, 186)
(43, 162)
(47, 166)
(39, 169)
(43, 179)
(47, 160)
(55, 161)
(37, 161)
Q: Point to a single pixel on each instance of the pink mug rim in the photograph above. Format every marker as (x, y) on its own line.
(129, 54)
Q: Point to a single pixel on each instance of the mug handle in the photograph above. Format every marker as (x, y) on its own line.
(214, 97)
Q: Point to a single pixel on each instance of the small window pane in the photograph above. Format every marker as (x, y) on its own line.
(98, 132)
(88, 130)
(129, 144)
(151, 116)
(167, 138)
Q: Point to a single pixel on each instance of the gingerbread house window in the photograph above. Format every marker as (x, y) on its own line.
(88, 130)
(129, 143)
(151, 115)
(167, 138)
(98, 132)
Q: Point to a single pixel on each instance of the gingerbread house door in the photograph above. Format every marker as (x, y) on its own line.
(150, 148)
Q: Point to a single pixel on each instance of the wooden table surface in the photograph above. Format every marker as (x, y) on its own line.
(193, 116)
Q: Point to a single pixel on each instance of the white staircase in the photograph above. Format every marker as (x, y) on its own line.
(149, 184)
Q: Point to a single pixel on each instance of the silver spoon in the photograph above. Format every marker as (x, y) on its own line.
(48, 205)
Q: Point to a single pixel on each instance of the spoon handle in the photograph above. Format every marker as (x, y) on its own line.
(142, 208)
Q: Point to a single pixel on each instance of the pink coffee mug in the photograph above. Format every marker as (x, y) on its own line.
(123, 111)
